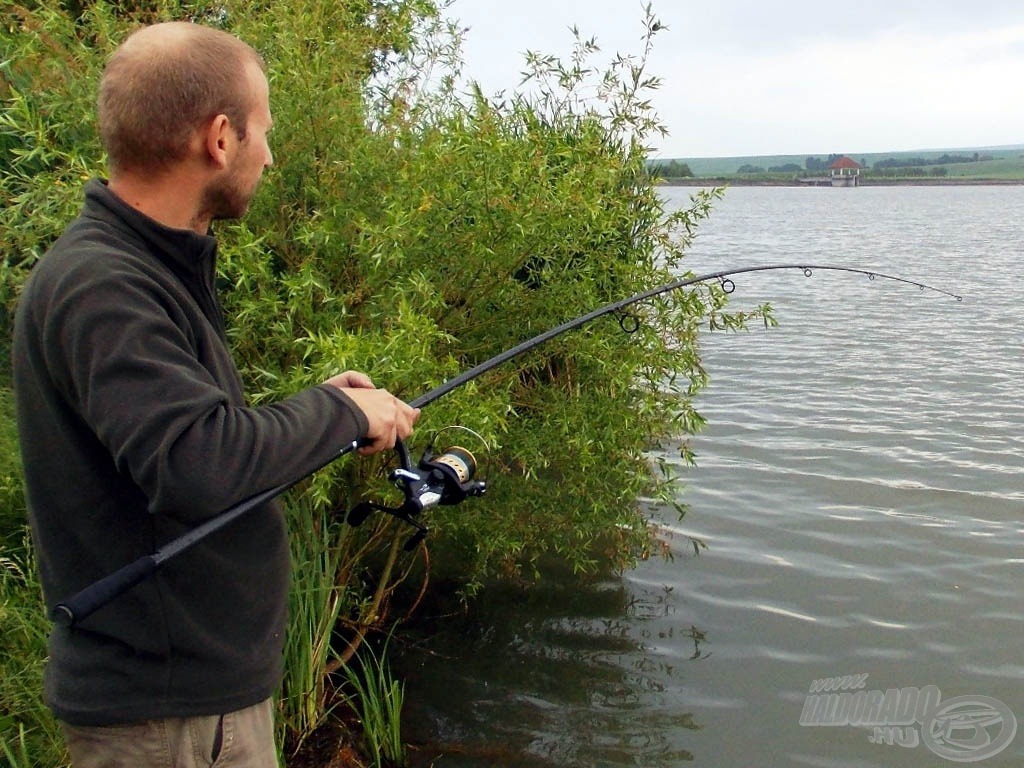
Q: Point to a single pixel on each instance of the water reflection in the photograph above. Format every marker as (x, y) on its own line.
(568, 673)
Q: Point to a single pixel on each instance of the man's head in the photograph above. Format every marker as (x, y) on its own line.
(179, 92)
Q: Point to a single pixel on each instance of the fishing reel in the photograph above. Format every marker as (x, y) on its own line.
(447, 478)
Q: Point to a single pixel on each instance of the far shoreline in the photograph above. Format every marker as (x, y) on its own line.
(729, 181)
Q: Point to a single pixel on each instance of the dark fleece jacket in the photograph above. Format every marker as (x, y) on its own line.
(134, 430)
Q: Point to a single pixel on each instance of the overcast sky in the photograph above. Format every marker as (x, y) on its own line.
(751, 77)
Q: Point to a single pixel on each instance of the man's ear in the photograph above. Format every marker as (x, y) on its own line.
(216, 140)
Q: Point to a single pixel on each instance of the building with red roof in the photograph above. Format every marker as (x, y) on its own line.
(845, 172)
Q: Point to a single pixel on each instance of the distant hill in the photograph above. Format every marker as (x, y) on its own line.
(1002, 162)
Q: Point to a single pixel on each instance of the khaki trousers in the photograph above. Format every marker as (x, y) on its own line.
(242, 739)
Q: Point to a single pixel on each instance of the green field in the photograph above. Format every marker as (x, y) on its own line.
(1006, 163)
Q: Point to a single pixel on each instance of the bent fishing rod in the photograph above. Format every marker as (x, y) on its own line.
(444, 479)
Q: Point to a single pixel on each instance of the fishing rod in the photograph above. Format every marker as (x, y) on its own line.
(448, 478)
(728, 286)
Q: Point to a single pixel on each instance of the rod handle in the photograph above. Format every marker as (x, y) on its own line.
(79, 606)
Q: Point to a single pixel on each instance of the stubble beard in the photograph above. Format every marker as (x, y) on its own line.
(226, 199)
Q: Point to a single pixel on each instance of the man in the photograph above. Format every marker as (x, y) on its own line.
(134, 429)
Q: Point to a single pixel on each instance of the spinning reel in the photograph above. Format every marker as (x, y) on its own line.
(446, 478)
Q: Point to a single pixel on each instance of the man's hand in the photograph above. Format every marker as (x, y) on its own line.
(389, 418)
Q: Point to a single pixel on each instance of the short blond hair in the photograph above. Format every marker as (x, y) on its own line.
(162, 83)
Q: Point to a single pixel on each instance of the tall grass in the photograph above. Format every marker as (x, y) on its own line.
(318, 596)
(12, 497)
(29, 736)
(378, 703)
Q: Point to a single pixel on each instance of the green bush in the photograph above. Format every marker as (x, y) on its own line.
(412, 231)
(447, 232)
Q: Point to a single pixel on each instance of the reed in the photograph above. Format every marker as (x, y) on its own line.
(316, 600)
(377, 701)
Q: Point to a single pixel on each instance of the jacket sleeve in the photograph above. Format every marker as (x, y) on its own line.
(128, 359)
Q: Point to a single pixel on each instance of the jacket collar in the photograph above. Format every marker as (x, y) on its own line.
(183, 250)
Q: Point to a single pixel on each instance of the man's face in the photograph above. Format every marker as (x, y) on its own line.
(228, 197)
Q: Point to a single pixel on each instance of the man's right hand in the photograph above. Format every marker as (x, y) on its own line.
(388, 417)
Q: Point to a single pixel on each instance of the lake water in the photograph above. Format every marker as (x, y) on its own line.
(860, 489)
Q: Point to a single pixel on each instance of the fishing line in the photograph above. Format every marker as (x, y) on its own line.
(436, 479)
